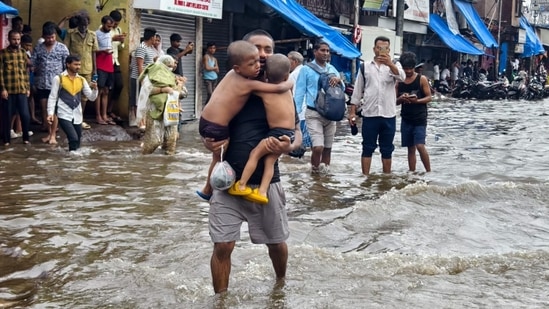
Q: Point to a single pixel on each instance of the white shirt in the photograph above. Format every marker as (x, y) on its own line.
(293, 76)
(436, 69)
(445, 74)
(455, 72)
(515, 64)
(115, 45)
(63, 110)
(375, 90)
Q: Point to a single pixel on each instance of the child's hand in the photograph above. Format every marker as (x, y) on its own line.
(280, 145)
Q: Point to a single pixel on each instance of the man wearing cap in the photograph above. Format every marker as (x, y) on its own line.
(176, 52)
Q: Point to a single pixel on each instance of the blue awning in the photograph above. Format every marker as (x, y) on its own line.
(309, 24)
(455, 41)
(6, 9)
(533, 45)
(476, 24)
(376, 5)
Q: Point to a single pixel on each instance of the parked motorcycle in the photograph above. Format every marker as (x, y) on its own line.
(517, 88)
(535, 89)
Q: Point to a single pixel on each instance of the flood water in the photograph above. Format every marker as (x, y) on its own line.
(110, 228)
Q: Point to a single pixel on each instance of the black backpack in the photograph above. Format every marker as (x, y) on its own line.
(330, 101)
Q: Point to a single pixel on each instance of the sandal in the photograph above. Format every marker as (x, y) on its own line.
(235, 190)
(204, 196)
(256, 197)
(85, 126)
(115, 117)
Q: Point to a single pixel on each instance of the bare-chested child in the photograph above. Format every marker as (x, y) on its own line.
(280, 110)
(230, 95)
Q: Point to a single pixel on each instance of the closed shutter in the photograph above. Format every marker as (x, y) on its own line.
(184, 25)
(218, 31)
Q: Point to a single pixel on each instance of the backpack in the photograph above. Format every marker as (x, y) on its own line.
(330, 101)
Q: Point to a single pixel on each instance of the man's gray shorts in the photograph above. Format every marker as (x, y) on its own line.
(321, 130)
(267, 224)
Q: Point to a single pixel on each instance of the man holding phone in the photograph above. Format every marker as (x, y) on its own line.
(177, 53)
(414, 93)
(375, 92)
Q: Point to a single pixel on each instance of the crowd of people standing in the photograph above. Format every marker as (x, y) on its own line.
(86, 68)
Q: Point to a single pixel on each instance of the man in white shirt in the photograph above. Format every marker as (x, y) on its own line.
(436, 74)
(445, 76)
(65, 100)
(375, 91)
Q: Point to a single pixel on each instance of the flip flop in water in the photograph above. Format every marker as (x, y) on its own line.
(204, 196)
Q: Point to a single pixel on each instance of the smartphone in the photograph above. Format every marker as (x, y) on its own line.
(383, 50)
(412, 96)
(191, 50)
(94, 78)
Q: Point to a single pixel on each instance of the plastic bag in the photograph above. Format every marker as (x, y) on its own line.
(223, 176)
(171, 110)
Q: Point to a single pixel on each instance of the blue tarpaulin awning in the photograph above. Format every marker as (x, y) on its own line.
(311, 25)
(533, 45)
(477, 25)
(6, 9)
(455, 41)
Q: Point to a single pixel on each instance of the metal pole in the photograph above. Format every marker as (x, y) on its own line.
(355, 24)
(399, 26)
(30, 11)
(499, 37)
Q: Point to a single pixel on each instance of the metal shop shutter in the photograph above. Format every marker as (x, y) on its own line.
(218, 31)
(166, 24)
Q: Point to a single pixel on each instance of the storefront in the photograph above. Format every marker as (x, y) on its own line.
(185, 18)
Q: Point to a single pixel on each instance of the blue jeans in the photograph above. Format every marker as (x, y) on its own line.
(16, 103)
(73, 132)
(378, 128)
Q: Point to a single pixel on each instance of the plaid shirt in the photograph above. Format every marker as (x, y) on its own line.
(14, 77)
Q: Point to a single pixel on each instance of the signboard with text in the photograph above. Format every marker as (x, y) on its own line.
(203, 8)
(417, 10)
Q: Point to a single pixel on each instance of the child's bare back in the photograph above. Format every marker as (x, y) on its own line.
(228, 98)
(279, 107)
(233, 91)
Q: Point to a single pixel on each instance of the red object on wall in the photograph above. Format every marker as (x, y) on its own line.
(5, 27)
(357, 34)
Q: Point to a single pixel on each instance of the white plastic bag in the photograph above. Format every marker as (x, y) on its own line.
(223, 176)
(171, 110)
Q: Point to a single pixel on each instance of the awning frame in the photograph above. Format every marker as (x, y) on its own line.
(477, 25)
(306, 22)
(454, 41)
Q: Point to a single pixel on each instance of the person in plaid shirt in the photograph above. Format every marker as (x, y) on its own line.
(15, 86)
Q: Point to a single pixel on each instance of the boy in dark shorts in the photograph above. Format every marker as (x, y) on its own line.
(280, 116)
(230, 96)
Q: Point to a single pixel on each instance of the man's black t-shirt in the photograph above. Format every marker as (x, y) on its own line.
(414, 114)
(247, 129)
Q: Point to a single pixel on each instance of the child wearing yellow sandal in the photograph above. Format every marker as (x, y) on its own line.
(280, 111)
(230, 96)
